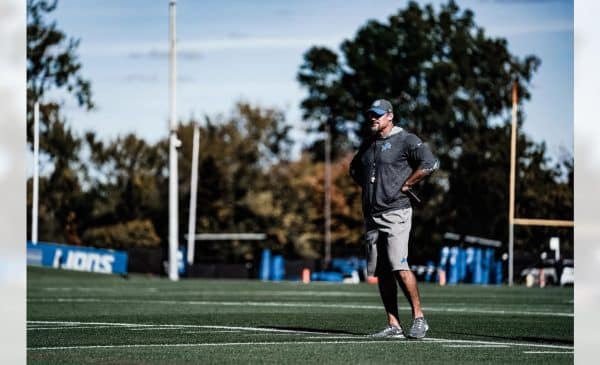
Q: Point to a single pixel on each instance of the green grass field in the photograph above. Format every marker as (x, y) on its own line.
(82, 318)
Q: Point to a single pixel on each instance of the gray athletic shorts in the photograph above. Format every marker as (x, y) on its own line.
(387, 241)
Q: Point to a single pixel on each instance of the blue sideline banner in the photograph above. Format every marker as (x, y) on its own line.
(76, 258)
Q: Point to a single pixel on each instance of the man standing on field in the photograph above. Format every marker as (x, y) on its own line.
(386, 166)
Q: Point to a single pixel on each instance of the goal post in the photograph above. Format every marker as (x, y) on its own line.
(512, 220)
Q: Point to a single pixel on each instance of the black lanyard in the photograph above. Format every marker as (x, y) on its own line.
(374, 164)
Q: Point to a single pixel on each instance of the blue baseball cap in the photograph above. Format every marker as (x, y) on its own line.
(380, 107)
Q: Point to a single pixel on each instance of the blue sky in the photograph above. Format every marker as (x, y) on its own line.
(251, 50)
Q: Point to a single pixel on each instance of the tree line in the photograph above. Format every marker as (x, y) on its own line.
(449, 82)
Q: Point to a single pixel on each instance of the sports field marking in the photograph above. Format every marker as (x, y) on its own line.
(548, 352)
(265, 344)
(69, 325)
(81, 288)
(202, 332)
(156, 328)
(469, 310)
(483, 346)
(259, 329)
(525, 344)
(51, 323)
(66, 328)
(294, 292)
(219, 344)
(220, 292)
(178, 329)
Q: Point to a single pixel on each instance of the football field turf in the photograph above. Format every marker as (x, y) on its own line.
(83, 318)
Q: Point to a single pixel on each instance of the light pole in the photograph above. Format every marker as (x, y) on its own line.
(174, 143)
(327, 210)
(36, 174)
(193, 191)
(511, 194)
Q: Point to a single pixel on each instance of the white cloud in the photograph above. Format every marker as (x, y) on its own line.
(159, 53)
(523, 29)
(140, 77)
(197, 48)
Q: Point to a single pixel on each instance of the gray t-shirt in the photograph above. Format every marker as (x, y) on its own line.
(382, 165)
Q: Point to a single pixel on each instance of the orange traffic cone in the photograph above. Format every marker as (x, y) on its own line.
(372, 279)
(442, 276)
(306, 275)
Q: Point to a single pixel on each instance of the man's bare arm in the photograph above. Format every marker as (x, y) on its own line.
(414, 178)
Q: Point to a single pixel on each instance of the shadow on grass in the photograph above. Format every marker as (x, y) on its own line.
(313, 330)
(540, 340)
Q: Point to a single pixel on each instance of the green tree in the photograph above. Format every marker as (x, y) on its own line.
(134, 233)
(236, 154)
(126, 183)
(443, 74)
(53, 71)
(451, 85)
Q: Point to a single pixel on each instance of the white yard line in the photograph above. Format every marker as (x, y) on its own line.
(293, 305)
(212, 344)
(156, 328)
(224, 331)
(548, 352)
(174, 326)
(526, 344)
(445, 342)
(291, 292)
(482, 346)
(65, 328)
(287, 343)
(81, 288)
(312, 293)
(502, 312)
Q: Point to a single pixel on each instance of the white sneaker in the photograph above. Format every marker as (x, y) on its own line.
(390, 332)
(419, 328)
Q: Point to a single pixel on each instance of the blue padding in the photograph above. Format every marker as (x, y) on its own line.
(477, 263)
(79, 258)
(277, 268)
(430, 270)
(327, 276)
(265, 265)
(498, 280)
